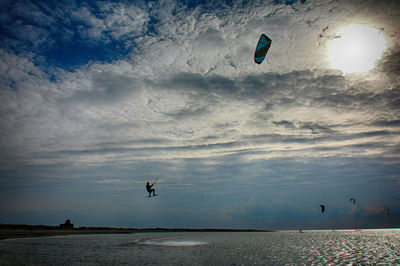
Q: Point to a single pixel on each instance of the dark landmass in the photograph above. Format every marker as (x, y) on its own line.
(24, 230)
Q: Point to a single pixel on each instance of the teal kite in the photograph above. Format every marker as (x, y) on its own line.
(262, 48)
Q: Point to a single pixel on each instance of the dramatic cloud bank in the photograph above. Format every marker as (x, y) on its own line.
(98, 98)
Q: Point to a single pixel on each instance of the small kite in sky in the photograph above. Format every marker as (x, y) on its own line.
(386, 211)
(322, 208)
(353, 200)
(262, 48)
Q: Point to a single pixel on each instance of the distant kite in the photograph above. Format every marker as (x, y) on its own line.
(387, 211)
(322, 208)
(262, 48)
(353, 200)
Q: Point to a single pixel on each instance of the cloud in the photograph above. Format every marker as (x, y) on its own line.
(71, 34)
(110, 102)
(112, 93)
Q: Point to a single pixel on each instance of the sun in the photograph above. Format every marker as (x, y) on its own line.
(357, 48)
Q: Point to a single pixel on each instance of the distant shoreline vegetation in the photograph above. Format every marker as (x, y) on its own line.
(25, 230)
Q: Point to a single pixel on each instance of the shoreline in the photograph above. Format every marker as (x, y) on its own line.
(8, 231)
(26, 231)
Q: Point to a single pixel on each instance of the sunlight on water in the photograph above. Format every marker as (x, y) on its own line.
(175, 243)
(262, 248)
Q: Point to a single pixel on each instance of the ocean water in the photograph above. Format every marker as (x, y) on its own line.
(220, 248)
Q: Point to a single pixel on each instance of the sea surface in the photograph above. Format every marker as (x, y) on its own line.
(212, 248)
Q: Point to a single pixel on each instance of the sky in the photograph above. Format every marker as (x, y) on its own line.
(99, 97)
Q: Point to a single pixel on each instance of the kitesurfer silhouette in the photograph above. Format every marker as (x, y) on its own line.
(150, 189)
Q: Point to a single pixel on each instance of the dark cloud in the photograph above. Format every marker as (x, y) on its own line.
(291, 89)
(316, 128)
(107, 88)
(187, 113)
(288, 2)
(203, 84)
(262, 86)
(390, 64)
(284, 123)
(386, 123)
(313, 127)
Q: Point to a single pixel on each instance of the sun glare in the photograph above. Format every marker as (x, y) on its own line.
(357, 48)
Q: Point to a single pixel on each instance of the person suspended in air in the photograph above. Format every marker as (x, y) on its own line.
(150, 189)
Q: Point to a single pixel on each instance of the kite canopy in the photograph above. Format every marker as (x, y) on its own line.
(262, 48)
(353, 200)
(322, 208)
